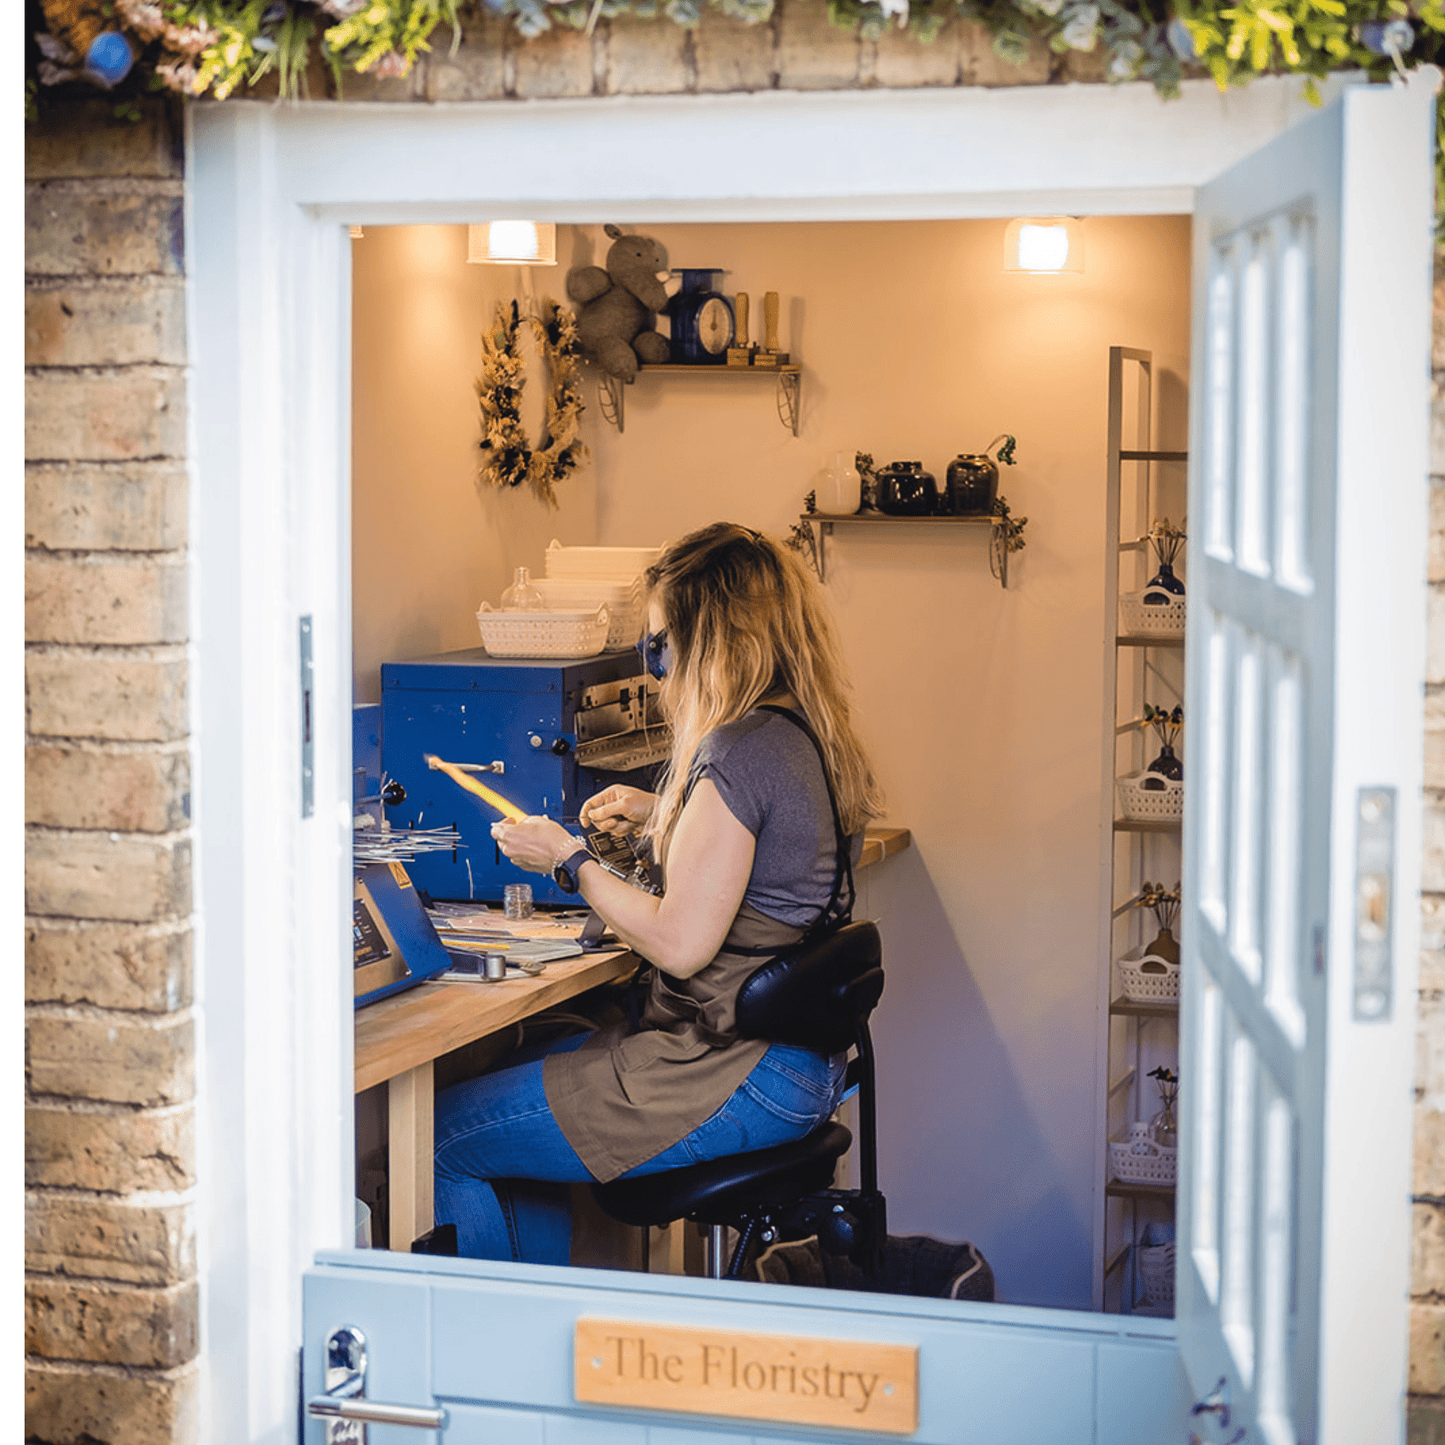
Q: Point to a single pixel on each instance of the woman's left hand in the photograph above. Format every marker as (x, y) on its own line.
(536, 843)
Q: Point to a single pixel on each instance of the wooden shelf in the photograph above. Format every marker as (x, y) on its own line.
(1146, 639)
(1152, 456)
(1115, 1190)
(1122, 1005)
(827, 521)
(611, 390)
(1147, 825)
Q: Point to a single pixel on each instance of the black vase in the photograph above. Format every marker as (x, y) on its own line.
(1163, 587)
(1168, 764)
(971, 485)
(906, 490)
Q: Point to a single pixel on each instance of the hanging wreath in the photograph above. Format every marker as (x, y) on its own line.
(508, 457)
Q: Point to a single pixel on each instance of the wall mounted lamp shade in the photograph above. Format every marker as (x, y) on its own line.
(513, 243)
(1044, 245)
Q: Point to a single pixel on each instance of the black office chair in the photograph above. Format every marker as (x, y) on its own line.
(820, 1000)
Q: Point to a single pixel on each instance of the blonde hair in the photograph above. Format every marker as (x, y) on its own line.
(745, 620)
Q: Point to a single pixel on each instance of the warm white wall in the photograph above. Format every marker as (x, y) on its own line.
(983, 707)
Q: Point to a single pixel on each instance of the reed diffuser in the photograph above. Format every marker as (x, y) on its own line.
(1167, 724)
(1164, 587)
(1164, 904)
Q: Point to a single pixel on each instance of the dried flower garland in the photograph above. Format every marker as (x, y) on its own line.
(508, 458)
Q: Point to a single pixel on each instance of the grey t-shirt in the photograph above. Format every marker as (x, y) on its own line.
(768, 772)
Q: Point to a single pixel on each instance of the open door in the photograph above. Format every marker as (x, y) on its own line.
(1305, 654)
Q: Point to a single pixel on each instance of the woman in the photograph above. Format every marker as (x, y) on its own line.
(745, 832)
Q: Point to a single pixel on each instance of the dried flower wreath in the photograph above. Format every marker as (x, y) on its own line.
(508, 458)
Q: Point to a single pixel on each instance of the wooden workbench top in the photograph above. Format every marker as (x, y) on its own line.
(420, 1024)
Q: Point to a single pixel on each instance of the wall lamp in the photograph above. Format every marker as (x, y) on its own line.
(513, 243)
(1044, 245)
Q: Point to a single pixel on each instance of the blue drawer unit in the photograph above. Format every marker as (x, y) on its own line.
(561, 731)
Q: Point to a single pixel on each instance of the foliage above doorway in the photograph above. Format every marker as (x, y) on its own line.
(220, 48)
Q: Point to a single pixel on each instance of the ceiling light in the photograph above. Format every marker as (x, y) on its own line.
(513, 243)
(1047, 245)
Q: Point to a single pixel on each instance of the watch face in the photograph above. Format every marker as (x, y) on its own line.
(715, 325)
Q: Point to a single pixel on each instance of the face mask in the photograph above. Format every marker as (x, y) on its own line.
(656, 653)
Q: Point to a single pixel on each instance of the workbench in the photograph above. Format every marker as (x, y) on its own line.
(399, 1039)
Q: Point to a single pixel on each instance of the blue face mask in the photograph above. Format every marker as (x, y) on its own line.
(656, 653)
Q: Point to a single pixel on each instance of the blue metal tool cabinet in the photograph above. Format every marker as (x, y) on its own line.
(470, 707)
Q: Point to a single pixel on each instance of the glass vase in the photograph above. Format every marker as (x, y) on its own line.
(842, 491)
(1168, 764)
(522, 596)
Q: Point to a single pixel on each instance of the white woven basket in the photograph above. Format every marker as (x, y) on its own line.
(1137, 1159)
(1146, 804)
(542, 634)
(623, 601)
(1164, 620)
(1147, 978)
(1156, 1272)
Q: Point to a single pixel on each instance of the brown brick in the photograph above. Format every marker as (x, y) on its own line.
(554, 64)
(112, 965)
(119, 506)
(106, 694)
(94, 1405)
(1437, 426)
(983, 65)
(644, 57)
(105, 598)
(111, 1150)
(1432, 943)
(105, 1238)
(901, 60)
(1427, 1349)
(112, 1324)
(1436, 555)
(128, 788)
(1435, 739)
(1432, 863)
(812, 52)
(103, 229)
(730, 54)
(115, 1058)
(1424, 1420)
(105, 416)
(1429, 1152)
(81, 140)
(122, 876)
(1427, 1256)
(478, 70)
(374, 89)
(105, 323)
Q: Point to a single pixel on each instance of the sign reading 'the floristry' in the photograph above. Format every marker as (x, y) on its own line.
(845, 1384)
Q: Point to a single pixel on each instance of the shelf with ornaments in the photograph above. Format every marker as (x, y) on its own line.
(710, 338)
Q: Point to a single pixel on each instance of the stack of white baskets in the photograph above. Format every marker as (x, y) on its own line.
(585, 578)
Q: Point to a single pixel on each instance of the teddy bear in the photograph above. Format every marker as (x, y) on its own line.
(617, 306)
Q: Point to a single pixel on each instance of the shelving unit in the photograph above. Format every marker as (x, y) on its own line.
(826, 521)
(1144, 483)
(788, 395)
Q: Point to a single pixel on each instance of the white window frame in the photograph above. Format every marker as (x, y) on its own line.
(270, 189)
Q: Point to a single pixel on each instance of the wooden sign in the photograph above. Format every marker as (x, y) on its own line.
(843, 1384)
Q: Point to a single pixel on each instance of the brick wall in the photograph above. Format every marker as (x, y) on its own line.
(112, 1317)
(111, 1308)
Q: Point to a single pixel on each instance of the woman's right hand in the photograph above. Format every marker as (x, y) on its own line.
(618, 809)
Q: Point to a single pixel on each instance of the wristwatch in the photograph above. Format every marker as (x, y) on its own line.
(564, 871)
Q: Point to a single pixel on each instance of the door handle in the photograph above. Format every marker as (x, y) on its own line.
(345, 1402)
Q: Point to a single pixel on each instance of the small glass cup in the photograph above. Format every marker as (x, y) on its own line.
(517, 900)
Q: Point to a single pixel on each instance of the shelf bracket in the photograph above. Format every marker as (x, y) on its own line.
(609, 400)
(789, 397)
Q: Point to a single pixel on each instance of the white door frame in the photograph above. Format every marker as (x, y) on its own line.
(270, 188)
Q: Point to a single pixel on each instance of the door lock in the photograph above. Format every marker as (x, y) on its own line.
(344, 1406)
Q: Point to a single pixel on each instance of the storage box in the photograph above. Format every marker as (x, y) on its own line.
(1161, 619)
(543, 634)
(1137, 1159)
(1150, 797)
(618, 564)
(1147, 978)
(623, 601)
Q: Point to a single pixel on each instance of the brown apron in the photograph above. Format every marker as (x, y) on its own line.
(624, 1097)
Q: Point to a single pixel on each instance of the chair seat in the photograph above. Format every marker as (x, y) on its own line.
(721, 1191)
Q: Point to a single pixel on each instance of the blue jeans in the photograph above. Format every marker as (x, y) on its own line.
(503, 1165)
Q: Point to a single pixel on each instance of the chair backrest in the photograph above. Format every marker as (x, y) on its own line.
(818, 995)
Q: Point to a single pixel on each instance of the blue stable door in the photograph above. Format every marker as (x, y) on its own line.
(491, 1348)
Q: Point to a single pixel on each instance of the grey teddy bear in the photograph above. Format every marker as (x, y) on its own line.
(618, 306)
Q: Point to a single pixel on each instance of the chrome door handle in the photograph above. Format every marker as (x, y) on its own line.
(344, 1405)
(374, 1412)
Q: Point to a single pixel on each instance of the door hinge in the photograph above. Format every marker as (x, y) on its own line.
(1373, 983)
(308, 745)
